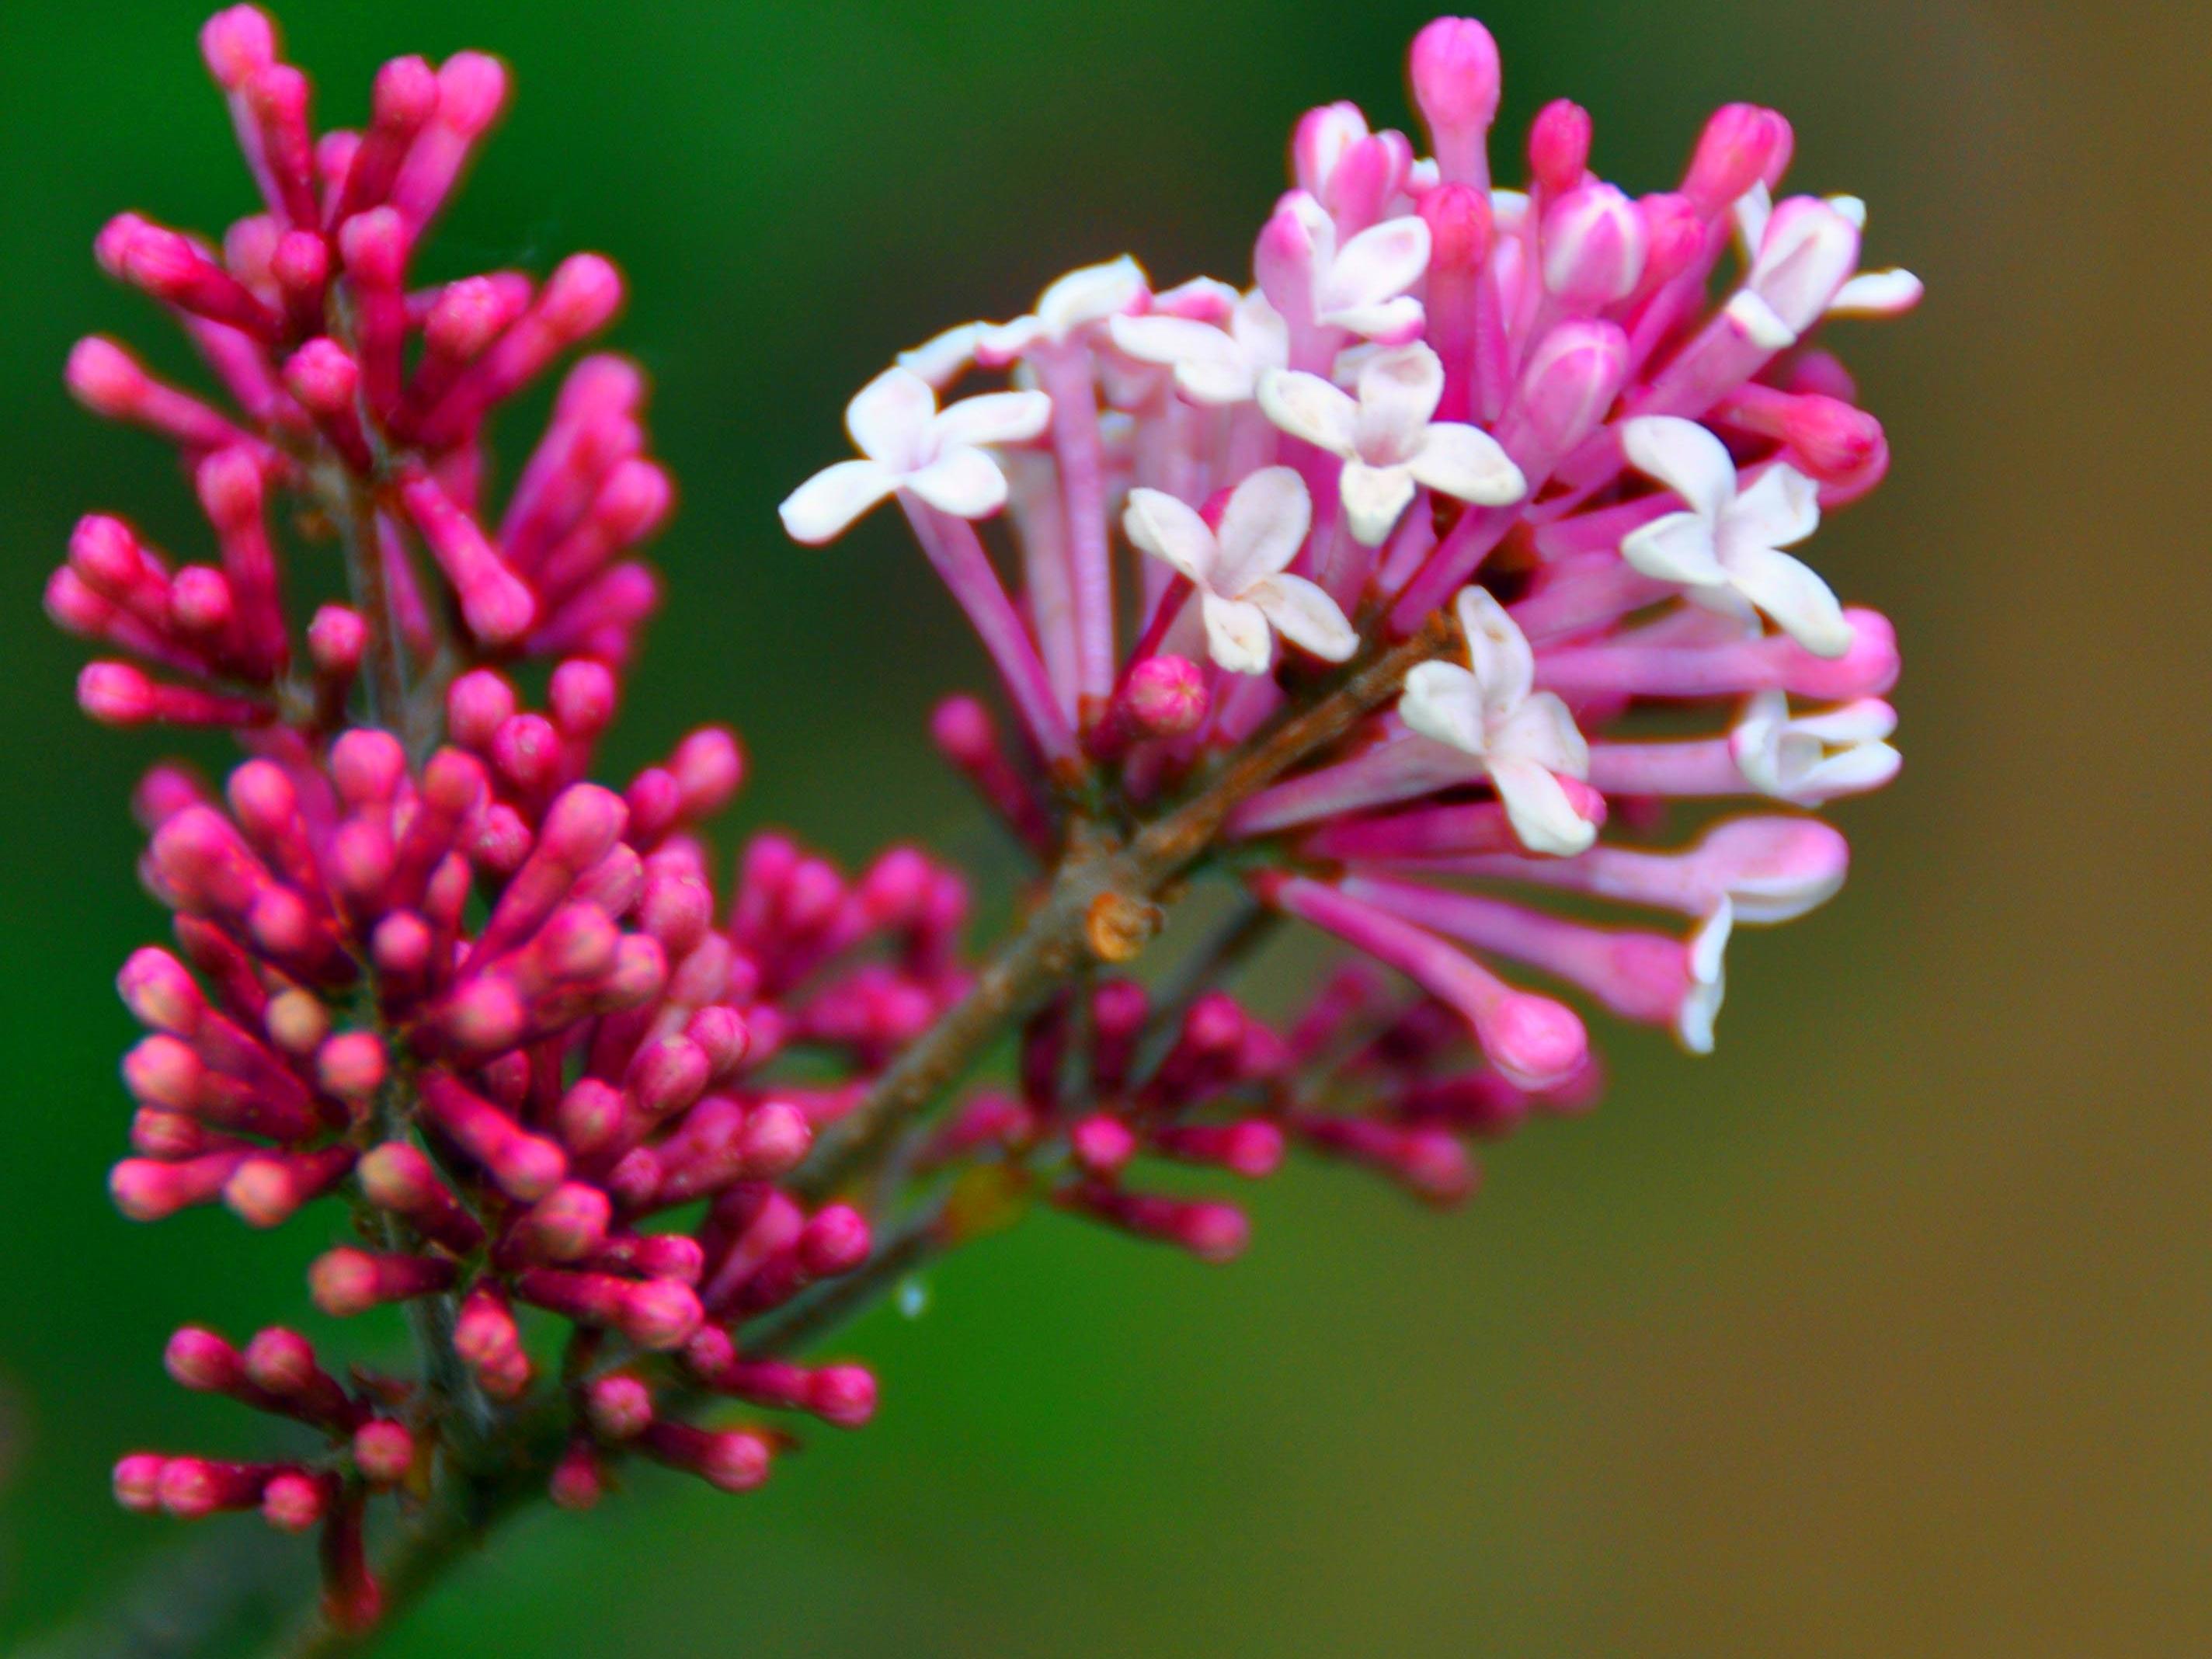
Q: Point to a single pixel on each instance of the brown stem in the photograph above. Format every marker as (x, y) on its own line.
(1054, 938)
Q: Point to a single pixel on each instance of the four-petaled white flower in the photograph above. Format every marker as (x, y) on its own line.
(1866, 294)
(1726, 548)
(1707, 944)
(1810, 759)
(1388, 441)
(910, 444)
(1080, 300)
(1212, 365)
(1361, 286)
(1525, 738)
(1239, 569)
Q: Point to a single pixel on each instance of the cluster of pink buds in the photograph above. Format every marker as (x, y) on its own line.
(1354, 589)
(1523, 408)
(364, 404)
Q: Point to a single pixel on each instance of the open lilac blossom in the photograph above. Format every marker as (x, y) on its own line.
(624, 1126)
(1236, 569)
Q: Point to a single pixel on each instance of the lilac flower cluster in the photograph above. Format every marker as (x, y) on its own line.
(618, 1143)
(1518, 404)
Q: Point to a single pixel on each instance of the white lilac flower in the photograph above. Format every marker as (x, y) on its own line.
(907, 443)
(1525, 738)
(1811, 759)
(1725, 548)
(1389, 445)
(1239, 570)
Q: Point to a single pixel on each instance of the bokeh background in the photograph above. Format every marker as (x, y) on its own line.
(1884, 1331)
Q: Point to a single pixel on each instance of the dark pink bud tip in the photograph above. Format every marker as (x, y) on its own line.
(383, 1451)
(138, 1482)
(1455, 70)
(661, 1313)
(619, 1407)
(835, 1241)
(294, 1501)
(842, 1394)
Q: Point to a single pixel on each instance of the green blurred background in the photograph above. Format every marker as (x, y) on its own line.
(1883, 1331)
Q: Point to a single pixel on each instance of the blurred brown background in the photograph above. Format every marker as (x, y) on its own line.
(1884, 1332)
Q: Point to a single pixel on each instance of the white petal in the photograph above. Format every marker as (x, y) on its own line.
(1374, 496)
(1236, 633)
(1693, 1021)
(941, 359)
(1399, 391)
(1306, 406)
(1877, 293)
(821, 509)
(1090, 296)
(1684, 457)
(1305, 616)
(1543, 818)
(1852, 208)
(1169, 341)
(1787, 590)
(1678, 548)
(1869, 719)
(1380, 263)
(1751, 210)
(1467, 462)
(1158, 524)
(965, 483)
(1807, 253)
(1760, 322)
(890, 417)
(1497, 650)
(1444, 701)
(1261, 330)
(996, 417)
(1542, 731)
(1779, 510)
(1387, 320)
(1215, 384)
(1262, 528)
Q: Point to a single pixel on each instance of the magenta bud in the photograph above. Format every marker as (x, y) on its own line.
(383, 1451)
(777, 1137)
(1742, 145)
(709, 766)
(660, 1314)
(323, 375)
(835, 1241)
(720, 1032)
(478, 704)
(238, 43)
(137, 1481)
(294, 1501)
(619, 1407)
(582, 697)
(1102, 1144)
(201, 1360)
(1456, 75)
(567, 1225)
(346, 1281)
(578, 1481)
(337, 640)
(105, 378)
(1558, 146)
(1165, 696)
(472, 91)
(842, 1394)
(351, 1066)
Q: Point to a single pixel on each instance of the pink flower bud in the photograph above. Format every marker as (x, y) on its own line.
(1455, 70)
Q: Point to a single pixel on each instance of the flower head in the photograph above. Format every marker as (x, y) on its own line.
(1726, 546)
(907, 443)
(1389, 444)
(1238, 569)
(1525, 738)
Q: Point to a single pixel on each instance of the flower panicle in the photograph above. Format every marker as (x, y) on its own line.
(1588, 426)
